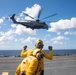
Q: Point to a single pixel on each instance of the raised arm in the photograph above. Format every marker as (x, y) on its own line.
(49, 55)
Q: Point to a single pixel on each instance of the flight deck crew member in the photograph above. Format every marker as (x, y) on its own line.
(39, 45)
(31, 64)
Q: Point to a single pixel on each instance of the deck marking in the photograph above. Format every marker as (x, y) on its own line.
(5, 73)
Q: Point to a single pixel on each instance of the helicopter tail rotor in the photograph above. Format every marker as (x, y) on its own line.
(12, 17)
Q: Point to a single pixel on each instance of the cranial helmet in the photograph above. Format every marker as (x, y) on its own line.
(39, 44)
(38, 54)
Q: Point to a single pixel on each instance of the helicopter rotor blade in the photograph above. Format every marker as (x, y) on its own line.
(39, 14)
(50, 21)
(49, 16)
(28, 15)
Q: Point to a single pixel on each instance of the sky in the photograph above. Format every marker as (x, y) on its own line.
(62, 27)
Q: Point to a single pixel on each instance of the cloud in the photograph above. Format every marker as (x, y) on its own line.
(46, 36)
(7, 36)
(30, 40)
(19, 29)
(13, 25)
(2, 20)
(1, 33)
(16, 40)
(63, 25)
(57, 40)
(8, 33)
(70, 33)
(23, 30)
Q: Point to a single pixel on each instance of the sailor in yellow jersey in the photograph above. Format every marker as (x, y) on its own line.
(39, 45)
(31, 64)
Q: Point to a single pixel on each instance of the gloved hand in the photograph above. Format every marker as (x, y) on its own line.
(50, 48)
(25, 47)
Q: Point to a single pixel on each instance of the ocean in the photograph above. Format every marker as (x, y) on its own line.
(8, 53)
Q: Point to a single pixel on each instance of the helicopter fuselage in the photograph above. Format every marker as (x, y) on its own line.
(34, 24)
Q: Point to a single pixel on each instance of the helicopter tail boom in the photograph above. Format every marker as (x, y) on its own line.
(12, 18)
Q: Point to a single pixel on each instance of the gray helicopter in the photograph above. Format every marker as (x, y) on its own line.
(36, 24)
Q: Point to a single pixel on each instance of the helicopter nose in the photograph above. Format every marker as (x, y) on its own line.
(46, 27)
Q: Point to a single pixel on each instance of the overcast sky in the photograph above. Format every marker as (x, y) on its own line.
(62, 27)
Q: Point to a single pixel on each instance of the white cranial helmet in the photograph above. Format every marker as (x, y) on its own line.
(38, 54)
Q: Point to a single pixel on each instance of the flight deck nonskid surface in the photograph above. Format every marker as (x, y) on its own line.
(60, 65)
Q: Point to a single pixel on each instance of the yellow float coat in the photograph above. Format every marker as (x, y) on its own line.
(29, 66)
(46, 55)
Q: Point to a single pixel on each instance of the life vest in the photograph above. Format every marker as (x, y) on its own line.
(25, 63)
(25, 66)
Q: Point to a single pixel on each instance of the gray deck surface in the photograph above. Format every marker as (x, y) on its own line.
(60, 65)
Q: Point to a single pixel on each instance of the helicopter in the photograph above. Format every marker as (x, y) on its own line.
(36, 24)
